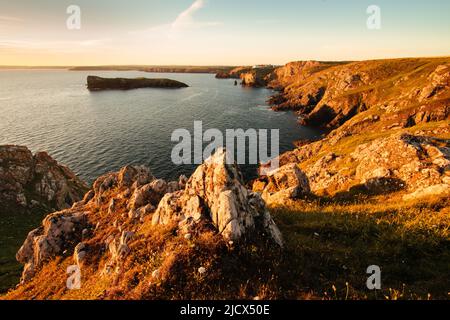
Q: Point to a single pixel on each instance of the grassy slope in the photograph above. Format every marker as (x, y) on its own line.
(329, 245)
(14, 228)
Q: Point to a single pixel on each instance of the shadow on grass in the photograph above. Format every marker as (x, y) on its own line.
(326, 249)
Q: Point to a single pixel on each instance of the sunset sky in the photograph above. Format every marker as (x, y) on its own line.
(218, 32)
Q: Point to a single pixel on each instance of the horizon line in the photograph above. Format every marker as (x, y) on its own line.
(214, 65)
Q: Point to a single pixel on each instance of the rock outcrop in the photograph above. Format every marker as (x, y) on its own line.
(98, 83)
(287, 182)
(216, 192)
(414, 164)
(122, 203)
(60, 231)
(29, 182)
(259, 77)
(250, 76)
(294, 72)
(234, 73)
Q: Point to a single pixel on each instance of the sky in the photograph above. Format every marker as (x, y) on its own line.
(218, 32)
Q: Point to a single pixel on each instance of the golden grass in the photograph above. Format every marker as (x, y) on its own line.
(329, 245)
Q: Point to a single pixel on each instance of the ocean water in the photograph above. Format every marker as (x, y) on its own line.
(98, 132)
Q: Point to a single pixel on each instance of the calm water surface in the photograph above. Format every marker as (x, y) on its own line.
(98, 132)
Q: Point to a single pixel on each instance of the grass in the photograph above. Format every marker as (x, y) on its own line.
(14, 229)
(329, 243)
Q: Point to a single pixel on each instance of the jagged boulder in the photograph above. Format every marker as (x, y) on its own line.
(118, 250)
(439, 80)
(59, 231)
(28, 181)
(287, 182)
(216, 193)
(434, 190)
(139, 175)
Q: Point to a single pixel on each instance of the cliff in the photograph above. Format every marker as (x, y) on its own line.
(259, 77)
(98, 83)
(399, 109)
(35, 182)
(250, 76)
(328, 95)
(234, 73)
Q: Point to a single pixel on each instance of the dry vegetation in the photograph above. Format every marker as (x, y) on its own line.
(330, 242)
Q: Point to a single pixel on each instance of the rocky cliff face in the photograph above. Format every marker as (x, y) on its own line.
(250, 77)
(234, 73)
(259, 77)
(328, 95)
(416, 165)
(35, 182)
(102, 232)
(388, 122)
(295, 72)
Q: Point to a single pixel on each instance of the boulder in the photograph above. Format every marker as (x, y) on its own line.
(60, 231)
(118, 251)
(287, 182)
(30, 181)
(79, 253)
(216, 193)
(436, 190)
(134, 174)
(150, 193)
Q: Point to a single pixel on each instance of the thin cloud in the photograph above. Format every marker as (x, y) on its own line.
(55, 46)
(10, 19)
(185, 20)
